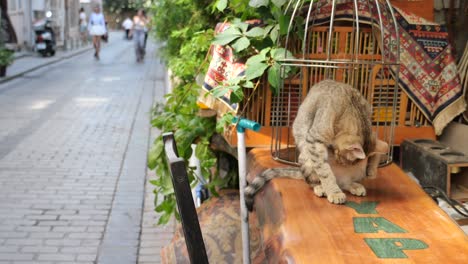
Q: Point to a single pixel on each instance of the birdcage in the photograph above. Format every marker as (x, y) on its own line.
(350, 41)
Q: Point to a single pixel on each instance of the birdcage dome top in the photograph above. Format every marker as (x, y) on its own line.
(366, 20)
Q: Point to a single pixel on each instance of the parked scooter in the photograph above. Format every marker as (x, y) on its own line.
(45, 36)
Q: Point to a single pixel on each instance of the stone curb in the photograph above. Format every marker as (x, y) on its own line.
(58, 59)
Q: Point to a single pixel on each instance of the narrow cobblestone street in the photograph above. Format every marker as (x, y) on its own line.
(73, 143)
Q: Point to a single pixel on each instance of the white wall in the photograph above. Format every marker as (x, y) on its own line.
(38, 4)
(20, 16)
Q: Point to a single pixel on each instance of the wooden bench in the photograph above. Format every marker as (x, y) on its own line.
(395, 223)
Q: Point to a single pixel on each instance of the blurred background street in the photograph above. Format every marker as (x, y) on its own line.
(74, 136)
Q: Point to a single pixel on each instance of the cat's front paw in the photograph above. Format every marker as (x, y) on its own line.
(318, 190)
(357, 189)
(337, 198)
(371, 172)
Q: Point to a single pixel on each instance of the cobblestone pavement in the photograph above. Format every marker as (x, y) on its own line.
(153, 237)
(73, 144)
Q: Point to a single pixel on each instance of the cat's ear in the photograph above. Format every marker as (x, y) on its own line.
(357, 152)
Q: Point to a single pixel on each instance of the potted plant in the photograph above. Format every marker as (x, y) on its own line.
(6, 58)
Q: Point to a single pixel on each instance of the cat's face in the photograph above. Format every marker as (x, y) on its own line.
(348, 149)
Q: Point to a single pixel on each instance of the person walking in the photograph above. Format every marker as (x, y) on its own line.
(138, 33)
(147, 28)
(127, 25)
(83, 27)
(97, 29)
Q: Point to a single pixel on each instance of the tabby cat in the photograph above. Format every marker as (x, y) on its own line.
(333, 133)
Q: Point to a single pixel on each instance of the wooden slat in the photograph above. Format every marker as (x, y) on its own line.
(263, 137)
(342, 56)
(407, 132)
(299, 227)
(403, 106)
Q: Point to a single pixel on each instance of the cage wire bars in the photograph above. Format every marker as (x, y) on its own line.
(351, 41)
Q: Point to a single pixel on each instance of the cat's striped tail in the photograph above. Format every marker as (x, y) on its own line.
(264, 177)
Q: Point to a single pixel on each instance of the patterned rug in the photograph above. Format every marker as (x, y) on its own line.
(428, 72)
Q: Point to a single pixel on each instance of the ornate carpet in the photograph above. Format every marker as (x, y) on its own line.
(428, 72)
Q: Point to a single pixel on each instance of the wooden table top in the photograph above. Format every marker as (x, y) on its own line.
(395, 223)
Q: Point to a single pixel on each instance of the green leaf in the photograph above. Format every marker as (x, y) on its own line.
(243, 26)
(224, 40)
(164, 219)
(223, 90)
(265, 51)
(261, 57)
(284, 24)
(213, 191)
(209, 163)
(274, 77)
(184, 139)
(280, 54)
(241, 44)
(154, 182)
(227, 36)
(221, 5)
(236, 96)
(152, 161)
(167, 205)
(248, 84)
(274, 33)
(225, 120)
(278, 3)
(255, 32)
(155, 153)
(255, 70)
(167, 187)
(235, 80)
(258, 3)
(219, 91)
(267, 30)
(201, 151)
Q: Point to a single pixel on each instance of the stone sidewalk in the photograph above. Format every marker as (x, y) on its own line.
(153, 237)
(73, 144)
(32, 61)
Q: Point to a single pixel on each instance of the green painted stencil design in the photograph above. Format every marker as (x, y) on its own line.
(393, 247)
(364, 207)
(374, 224)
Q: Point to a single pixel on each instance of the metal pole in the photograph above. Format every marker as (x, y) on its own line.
(242, 159)
(241, 155)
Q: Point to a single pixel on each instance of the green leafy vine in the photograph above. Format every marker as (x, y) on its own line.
(185, 27)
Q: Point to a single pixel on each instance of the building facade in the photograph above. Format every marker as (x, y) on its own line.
(23, 14)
